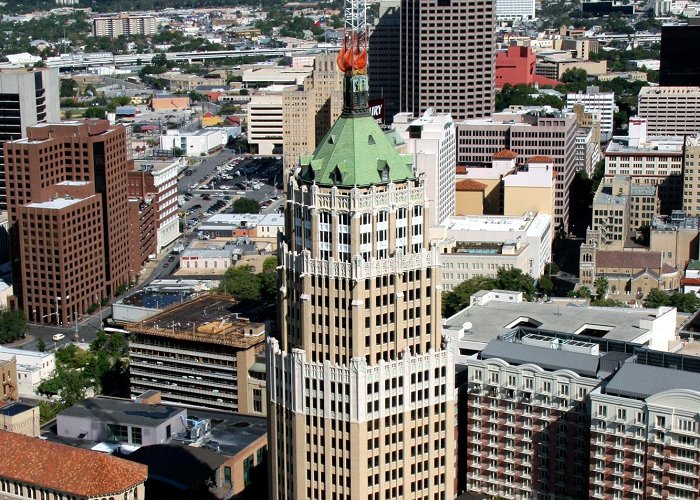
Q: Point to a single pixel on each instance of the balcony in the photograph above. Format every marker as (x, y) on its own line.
(681, 486)
(683, 473)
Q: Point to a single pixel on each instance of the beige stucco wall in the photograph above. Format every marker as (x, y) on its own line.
(519, 200)
(469, 203)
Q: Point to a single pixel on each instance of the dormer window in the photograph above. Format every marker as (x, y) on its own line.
(384, 173)
(370, 140)
(336, 176)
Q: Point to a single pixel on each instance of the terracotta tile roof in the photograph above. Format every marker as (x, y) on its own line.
(691, 281)
(470, 185)
(461, 169)
(540, 159)
(505, 154)
(627, 260)
(66, 469)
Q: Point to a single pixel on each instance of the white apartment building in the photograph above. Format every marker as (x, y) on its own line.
(481, 245)
(164, 181)
(511, 10)
(265, 120)
(670, 110)
(602, 103)
(587, 151)
(32, 368)
(431, 139)
(650, 160)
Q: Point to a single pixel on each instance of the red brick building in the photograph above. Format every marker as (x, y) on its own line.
(517, 65)
(69, 218)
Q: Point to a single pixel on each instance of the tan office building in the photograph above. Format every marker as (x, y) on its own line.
(309, 113)
(670, 110)
(361, 390)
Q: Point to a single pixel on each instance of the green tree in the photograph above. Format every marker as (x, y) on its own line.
(268, 280)
(575, 79)
(516, 280)
(69, 88)
(545, 284)
(245, 206)
(41, 345)
(117, 346)
(459, 297)
(242, 283)
(95, 112)
(551, 268)
(582, 293)
(74, 387)
(656, 298)
(13, 326)
(601, 286)
(50, 387)
(49, 409)
(608, 303)
(685, 302)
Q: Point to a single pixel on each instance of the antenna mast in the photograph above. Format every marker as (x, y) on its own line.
(352, 59)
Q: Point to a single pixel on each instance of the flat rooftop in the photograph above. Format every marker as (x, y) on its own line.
(488, 321)
(671, 145)
(495, 223)
(231, 432)
(13, 409)
(56, 204)
(209, 318)
(122, 411)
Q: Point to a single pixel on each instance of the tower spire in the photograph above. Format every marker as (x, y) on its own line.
(352, 59)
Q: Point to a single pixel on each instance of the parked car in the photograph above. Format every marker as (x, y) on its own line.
(58, 336)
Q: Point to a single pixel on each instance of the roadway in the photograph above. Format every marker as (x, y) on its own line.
(202, 174)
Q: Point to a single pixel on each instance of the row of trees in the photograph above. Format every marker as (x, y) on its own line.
(684, 302)
(102, 367)
(245, 285)
(506, 279)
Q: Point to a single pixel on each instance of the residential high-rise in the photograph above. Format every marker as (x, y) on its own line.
(27, 96)
(448, 57)
(361, 389)
(124, 24)
(69, 218)
(308, 114)
(383, 66)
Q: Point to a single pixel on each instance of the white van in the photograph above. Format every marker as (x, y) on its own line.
(58, 336)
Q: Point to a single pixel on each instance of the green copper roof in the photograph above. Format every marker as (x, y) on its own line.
(355, 152)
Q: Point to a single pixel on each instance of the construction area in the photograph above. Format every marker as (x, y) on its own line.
(200, 353)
